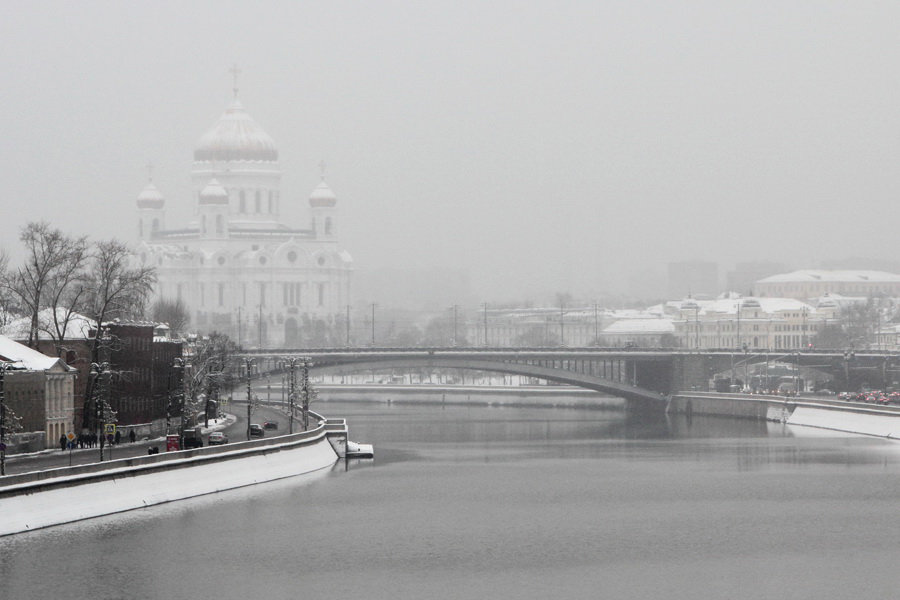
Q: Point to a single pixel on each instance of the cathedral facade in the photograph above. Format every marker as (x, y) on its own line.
(238, 267)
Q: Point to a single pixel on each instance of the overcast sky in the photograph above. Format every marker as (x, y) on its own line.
(540, 146)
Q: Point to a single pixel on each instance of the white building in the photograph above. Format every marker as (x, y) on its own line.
(40, 390)
(807, 284)
(238, 267)
(754, 323)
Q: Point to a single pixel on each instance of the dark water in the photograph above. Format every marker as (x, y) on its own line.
(478, 502)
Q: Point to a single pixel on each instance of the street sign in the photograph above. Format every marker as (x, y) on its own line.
(109, 429)
(70, 436)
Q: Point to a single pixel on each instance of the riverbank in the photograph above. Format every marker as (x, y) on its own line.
(44, 498)
(820, 413)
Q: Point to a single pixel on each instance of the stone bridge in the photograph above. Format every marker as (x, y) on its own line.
(639, 375)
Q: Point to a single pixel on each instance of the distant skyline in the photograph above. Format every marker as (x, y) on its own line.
(537, 148)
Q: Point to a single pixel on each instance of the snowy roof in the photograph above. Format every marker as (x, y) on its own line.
(812, 276)
(213, 193)
(236, 136)
(77, 328)
(26, 358)
(729, 306)
(646, 326)
(322, 196)
(150, 197)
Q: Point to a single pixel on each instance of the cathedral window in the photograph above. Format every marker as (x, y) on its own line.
(203, 228)
(321, 294)
(202, 295)
(243, 202)
(221, 294)
(327, 225)
(258, 202)
(284, 289)
(155, 225)
(292, 256)
(220, 224)
(271, 203)
(262, 294)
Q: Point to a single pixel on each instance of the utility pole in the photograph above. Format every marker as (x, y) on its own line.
(249, 364)
(485, 324)
(307, 363)
(596, 326)
(239, 328)
(373, 324)
(260, 322)
(292, 390)
(3, 367)
(562, 329)
(455, 323)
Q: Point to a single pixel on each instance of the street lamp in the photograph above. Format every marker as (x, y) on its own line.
(98, 370)
(181, 367)
(249, 364)
(4, 366)
(306, 362)
(292, 389)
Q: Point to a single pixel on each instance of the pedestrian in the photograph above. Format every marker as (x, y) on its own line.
(118, 437)
(131, 436)
(62, 442)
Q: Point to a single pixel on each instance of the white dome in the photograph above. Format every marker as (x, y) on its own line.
(150, 197)
(213, 193)
(322, 196)
(236, 136)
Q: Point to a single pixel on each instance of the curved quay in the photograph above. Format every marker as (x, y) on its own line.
(41, 499)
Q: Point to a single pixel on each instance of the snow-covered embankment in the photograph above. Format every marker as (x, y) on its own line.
(130, 484)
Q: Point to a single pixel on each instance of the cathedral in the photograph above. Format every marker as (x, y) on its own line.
(238, 267)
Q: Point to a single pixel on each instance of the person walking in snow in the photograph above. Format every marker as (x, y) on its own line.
(131, 436)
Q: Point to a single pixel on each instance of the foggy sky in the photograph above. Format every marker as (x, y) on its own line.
(542, 147)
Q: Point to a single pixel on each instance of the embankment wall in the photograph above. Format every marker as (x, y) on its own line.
(35, 500)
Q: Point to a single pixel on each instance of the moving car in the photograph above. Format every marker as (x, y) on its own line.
(192, 438)
(217, 438)
(270, 425)
(257, 430)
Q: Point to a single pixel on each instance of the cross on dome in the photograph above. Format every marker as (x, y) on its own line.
(322, 166)
(149, 167)
(234, 75)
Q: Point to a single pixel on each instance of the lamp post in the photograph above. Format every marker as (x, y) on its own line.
(249, 364)
(98, 370)
(3, 368)
(306, 362)
(292, 390)
(181, 367)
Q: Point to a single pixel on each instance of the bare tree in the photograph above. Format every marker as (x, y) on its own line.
(114, 288)
(208, 375)
(52, 264)
(172, 312)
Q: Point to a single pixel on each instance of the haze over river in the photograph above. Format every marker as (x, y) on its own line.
(498, 502)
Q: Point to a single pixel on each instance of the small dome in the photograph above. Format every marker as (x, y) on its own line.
(236, 136)
(213, 193)
(150, 197)
(322, 196)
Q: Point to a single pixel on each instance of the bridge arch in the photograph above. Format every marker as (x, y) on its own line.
(591, 382)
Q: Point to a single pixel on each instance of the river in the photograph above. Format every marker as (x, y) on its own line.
(499, 502)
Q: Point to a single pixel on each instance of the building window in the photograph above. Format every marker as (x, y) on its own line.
(243, 202)
(262, 294)
(321, 294)
(327, 225)
(258, 202)
(220, 225)
(221, 294)
(202, 295)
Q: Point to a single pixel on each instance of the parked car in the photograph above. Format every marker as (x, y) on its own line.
(257, 430)
(270, 425)
(217, 438)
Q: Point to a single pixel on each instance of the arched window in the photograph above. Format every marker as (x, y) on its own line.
(155, 225)
(243, 202)
(220, 224)
(327, 225)
(258, 202)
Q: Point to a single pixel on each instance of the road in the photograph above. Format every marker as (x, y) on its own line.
(236, 432)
